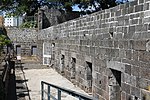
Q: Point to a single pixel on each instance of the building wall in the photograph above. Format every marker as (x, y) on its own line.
(13, 21)
(25, 39)
(113, 44)
(50, 17)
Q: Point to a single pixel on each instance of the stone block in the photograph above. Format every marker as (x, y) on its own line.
(125, 45)
(126, 22)
(128, 54)
(116, 52)
(118, 35)
(145, 73)
(139, 45)
(116, 44)
(118, 13)
(140, 1)
(122, 53)
(133, 3)
(127, 78)
(139, 8)
(135, 71)
(125, 88)
(139, 28)
(135, 56)
(146, 20)
(128, 69)
(133, 81)
(146, 6)
(134, 21)
(119, 29)
(131, 9)
(135, 91)
(92, 50)
(131, 29)
(124, 12)
(144, 56)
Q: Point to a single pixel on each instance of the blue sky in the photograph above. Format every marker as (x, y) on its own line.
(75, 8)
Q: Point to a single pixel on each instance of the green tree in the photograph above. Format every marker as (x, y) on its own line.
(4, 40)
(30, 7)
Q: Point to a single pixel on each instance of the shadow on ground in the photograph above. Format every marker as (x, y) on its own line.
(17, 87)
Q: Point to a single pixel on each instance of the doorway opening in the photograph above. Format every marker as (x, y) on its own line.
(89, 75)
(33, 50)
(115, 85)
(18, 49)
(62, 63)
(73, 67)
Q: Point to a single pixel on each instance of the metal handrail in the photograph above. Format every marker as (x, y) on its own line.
(61, 89)
(6, 69)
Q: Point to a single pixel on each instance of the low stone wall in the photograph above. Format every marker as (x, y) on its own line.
(105, 53)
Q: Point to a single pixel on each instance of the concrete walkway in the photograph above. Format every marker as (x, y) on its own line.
(32, 81)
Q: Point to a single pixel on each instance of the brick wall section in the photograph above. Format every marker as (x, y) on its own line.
(112, 39)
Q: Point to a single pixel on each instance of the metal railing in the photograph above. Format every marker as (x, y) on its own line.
(50, 96)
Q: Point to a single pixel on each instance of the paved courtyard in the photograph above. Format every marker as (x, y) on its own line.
(33, 74)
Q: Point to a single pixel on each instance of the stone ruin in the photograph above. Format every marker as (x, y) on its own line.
(107, 53)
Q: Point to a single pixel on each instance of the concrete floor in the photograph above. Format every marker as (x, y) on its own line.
(32, 74)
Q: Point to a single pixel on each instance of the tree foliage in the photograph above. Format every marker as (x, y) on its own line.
(29, 24)
(4, 40)
(17, 7)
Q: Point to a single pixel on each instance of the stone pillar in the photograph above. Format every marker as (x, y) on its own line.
(40, 19)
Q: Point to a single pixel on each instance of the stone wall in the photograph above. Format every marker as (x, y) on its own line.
(50, 16)
(24, 39)
(105, 53)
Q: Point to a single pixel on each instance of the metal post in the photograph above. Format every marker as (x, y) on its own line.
(48, 92)
(80, 98)
(42, 91)
(59, 94)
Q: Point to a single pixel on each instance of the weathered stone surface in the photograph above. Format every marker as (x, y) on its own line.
(116, 65)
(126, 88)
(115, 43)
